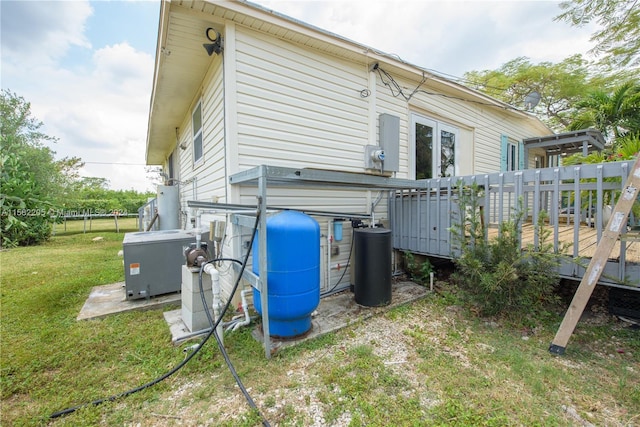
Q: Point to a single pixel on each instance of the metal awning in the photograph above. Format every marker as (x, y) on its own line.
(582, 141)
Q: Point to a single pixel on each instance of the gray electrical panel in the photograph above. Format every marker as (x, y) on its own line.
(389, 131)
(153, 261)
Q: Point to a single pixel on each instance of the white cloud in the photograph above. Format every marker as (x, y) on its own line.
(37, 32)
(98, 113)
(95, 99)
(98, 108)
(105, 115)
(449, 36)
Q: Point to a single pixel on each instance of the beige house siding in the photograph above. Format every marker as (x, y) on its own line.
(299, 108)
(205, 179)
(293, 101)
(307, 101)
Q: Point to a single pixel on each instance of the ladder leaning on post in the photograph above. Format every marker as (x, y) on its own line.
(609, 237)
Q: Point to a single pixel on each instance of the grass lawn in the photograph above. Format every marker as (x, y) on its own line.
(429, 363)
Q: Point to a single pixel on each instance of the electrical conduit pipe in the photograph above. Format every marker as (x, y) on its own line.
(329, 244)
(217, 301)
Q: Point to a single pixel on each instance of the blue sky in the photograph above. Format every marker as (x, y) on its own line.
(86, 67)
(133, 22)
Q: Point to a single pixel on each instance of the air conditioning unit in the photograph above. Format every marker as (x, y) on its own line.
(153, 261)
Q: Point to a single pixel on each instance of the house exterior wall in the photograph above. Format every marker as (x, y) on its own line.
(271, 101)
(295, 107)
(203, 180)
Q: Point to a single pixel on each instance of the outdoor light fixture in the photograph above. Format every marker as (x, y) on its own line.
(216, 42)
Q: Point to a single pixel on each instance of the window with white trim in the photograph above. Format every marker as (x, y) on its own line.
(196, 124)
(434, 145)
(511, 154)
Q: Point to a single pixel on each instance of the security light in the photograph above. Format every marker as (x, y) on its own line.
(216, 42)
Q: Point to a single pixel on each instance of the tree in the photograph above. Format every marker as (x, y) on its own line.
(28, 177)
(559, 85)
(615, 113)
(35, 187)
(619, 37)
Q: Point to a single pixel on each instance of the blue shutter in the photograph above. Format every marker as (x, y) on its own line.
(521, 164)
(504, 152)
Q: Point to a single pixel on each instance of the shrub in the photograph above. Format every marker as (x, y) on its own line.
(419, 271)
(497, 275)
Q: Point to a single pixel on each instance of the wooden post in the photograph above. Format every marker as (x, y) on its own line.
(609, 237)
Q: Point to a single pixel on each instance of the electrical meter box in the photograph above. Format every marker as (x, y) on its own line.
(389, 135)
(153, 261)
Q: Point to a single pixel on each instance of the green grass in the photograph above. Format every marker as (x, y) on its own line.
(459, 369)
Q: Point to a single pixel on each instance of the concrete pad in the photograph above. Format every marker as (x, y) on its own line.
(334, 312)
(179, 331)
(111, 299)
(340, 310)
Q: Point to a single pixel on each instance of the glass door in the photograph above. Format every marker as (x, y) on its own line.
(434, 148)
(447, 148)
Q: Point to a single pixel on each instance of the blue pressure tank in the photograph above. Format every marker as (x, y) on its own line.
(293, 268)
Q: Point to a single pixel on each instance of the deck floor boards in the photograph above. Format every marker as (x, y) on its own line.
(587, 241)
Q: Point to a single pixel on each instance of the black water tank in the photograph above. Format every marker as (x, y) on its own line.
(372, 270)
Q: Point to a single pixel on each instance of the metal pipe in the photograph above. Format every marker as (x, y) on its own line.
(245, 310)
(198, 236)
(338, 266)
(195, 334)
(237, 208)
(329, 242)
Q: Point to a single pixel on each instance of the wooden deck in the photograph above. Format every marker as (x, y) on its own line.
(421, 218)
(587, 241)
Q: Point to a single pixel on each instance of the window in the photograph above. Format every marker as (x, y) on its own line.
(435, 146)
(511, 154)
(554, 160)
(171, 170)
(196, 123)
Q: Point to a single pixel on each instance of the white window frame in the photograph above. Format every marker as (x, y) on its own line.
(198, 139)
(438, 127)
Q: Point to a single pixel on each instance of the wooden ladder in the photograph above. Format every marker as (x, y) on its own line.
(609, 237)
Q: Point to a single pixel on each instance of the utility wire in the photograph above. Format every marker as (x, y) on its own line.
(114, 163)
(396, 91)
(346, 267)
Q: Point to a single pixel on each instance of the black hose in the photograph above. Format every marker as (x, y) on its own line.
(213, 326)
(179, 365)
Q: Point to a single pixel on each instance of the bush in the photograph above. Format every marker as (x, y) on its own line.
(497, 275)
(419, 271)
(27, 172)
